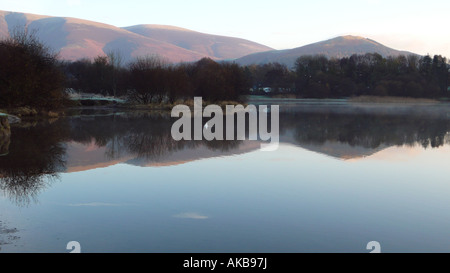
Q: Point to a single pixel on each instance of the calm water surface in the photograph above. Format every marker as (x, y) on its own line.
(343, 175)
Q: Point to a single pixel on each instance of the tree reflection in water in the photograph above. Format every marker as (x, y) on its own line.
(36, 156)
(38, 152)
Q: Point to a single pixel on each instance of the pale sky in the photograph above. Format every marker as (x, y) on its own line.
(418, 26)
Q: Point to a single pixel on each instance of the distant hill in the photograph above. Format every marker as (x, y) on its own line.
(75, 39)
(339, 47)
(220, 47)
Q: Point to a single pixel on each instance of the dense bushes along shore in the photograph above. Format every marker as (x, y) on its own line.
(30, 75)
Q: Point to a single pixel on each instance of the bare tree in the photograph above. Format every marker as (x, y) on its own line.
(147, 78)
(29, 72)
(115, 59)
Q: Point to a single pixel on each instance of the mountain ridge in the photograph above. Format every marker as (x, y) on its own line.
(76, 38)
(337, 47)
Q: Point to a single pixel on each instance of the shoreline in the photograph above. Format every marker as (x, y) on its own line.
(392, 99)
(30, 113)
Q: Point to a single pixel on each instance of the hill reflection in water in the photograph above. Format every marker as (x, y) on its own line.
(39, 152)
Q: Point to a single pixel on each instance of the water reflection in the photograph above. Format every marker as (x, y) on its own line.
(39, 152)
(7, 235)
(139, 137)
(36, 156)
(348, 135)
(4, 144)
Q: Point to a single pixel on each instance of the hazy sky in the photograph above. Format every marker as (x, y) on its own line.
(418, 26)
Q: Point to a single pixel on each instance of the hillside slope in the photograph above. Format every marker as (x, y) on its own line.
(75, 39)
(220, 47)
(339, 47)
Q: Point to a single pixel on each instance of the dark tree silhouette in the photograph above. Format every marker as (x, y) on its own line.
(29, 73)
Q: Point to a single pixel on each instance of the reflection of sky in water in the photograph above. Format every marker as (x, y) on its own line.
(291, 200)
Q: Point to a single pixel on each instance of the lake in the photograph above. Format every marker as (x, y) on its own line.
(343, 175)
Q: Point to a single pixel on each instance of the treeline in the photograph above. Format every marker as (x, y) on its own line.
(31, 75)
(278, 77)
(151, 79)
(371, 74)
